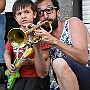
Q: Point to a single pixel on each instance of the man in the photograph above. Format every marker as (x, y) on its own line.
(69, 51)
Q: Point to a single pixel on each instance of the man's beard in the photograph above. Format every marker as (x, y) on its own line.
(54, 25)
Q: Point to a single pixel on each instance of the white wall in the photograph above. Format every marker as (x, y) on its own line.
(9, 4)
(86, 13)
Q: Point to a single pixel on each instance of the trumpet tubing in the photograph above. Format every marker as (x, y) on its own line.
(48, 23)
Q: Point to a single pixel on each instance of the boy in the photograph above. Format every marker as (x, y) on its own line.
(24, 12)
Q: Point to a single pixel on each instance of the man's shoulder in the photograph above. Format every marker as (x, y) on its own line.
(74, 19)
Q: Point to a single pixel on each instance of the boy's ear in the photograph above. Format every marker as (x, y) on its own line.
(35, 14)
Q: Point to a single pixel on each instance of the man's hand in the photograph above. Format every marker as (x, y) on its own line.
(27, 61)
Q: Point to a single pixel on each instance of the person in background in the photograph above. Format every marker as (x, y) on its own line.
(2, 41)
(33, 69)
(2, 29)
(69, 52)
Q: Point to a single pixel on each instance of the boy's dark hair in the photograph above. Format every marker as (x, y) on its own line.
(54, 2)
(22, 4)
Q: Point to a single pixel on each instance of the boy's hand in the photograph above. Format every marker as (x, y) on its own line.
(11, 69)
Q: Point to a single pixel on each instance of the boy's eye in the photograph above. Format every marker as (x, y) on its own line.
(27, 12)
(18, 13)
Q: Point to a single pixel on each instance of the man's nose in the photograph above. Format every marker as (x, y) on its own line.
(45, 15)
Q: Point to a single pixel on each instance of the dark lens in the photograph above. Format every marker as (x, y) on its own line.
(40, 13)
(49, 10)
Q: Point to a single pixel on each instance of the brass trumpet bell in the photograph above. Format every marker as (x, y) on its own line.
(17, 37)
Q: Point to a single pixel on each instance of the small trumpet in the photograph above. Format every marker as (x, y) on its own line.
(18, 38)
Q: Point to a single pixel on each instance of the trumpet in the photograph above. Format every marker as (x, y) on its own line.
(18, 38)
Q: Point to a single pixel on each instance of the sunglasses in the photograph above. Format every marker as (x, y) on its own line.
(48, 10)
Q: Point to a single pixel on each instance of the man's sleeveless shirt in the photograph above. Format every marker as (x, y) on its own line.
(65, 38)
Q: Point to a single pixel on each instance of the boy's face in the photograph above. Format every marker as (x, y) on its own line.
(24, 16)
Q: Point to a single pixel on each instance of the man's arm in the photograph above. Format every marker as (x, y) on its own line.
(79, 51)
(42, 61)
(2, 5)
(78, 32)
